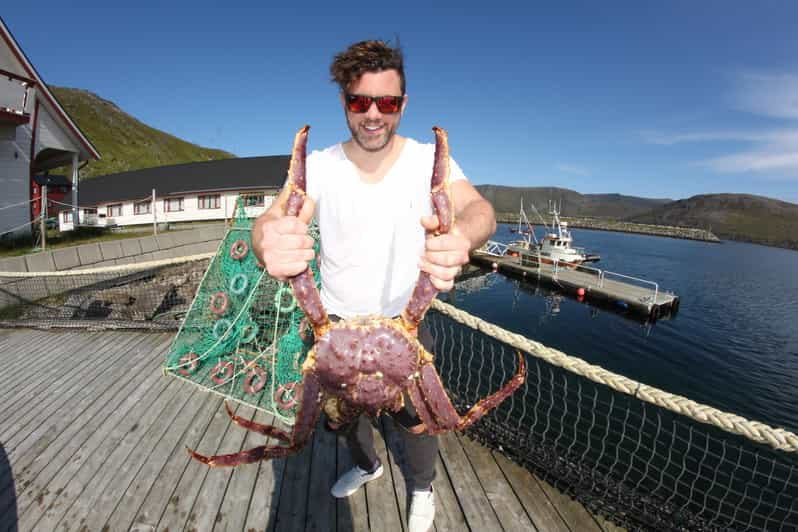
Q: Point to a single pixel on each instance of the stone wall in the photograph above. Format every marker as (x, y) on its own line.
(172, 244)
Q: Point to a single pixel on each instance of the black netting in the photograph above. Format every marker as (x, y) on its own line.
(642, 466)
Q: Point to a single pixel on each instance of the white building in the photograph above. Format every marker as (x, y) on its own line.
(36, 135)
(183, 192)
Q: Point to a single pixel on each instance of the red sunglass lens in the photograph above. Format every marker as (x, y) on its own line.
(358, 104)
(388, 104)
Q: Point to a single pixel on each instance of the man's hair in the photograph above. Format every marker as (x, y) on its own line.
(366, 56)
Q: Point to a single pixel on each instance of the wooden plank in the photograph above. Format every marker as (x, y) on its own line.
(449, 516)
(508, 508)
(181, 500)
(66, 371)
(293, 505)
(47, 360)
(476, 507)
(165, 465)
(100, 498)
(15, 358)
(68, 485)
(65, 392)
(233, 510)
(37, 468)
(63, 437)
(262, 514)
(44, 357)
(205, 512)
(322, 505)
(538, 506)
(352, 512)
(572, 512)
(380, 496)
(156, 488)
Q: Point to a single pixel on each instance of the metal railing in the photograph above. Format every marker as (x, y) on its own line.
(656, 286)
(497, 249)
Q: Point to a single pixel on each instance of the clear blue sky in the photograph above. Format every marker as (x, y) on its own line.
(655, 99)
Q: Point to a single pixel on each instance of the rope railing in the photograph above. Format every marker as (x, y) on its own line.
(759, 432)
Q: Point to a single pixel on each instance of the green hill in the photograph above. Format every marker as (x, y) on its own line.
(124, 142)
(732, 216)
(615, 206)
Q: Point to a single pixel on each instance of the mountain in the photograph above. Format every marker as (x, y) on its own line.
(617, 206)
(742, 217)
(124, 142)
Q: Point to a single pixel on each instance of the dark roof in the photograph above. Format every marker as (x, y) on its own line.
(210, 176)
(56, 180)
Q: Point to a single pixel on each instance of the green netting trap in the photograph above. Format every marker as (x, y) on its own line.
(243, 335)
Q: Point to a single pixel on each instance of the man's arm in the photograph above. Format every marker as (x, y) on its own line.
(281, 242)
(475, 222)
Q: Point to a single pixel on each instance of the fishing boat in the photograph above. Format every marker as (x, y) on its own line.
(554, 248)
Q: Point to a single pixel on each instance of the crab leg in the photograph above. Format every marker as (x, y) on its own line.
(428, 422)
(303, 284)
(425, 292)
(442, 408)
(307, 415)
(266, 430)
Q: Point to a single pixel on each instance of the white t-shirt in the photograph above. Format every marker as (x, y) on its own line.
(371, 234)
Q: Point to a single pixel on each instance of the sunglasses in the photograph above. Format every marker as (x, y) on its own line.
(359, 103)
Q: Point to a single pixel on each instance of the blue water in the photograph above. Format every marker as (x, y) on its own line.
(733, 344)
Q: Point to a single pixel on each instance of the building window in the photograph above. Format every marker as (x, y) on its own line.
(209, 202)
(142, 207)
(173, 204)
(67, 215)
(115, 209)
(253, 200)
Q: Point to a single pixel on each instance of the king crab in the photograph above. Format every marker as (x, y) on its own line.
(369, 363)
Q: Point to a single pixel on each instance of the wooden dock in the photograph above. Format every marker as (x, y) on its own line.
(93, 437)
(596, 285)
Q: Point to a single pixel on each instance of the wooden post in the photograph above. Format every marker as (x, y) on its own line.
(75, 177)
(43, 189)
(154, 217)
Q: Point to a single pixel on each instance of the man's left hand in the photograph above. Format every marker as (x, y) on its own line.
(444, 255)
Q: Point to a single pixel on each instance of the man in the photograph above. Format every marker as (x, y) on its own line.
(377, 231)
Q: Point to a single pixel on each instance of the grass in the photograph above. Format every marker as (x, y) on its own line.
(56, 239)
(124, 142)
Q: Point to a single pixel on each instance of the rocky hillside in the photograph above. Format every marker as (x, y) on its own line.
(616, 206)
(124, 142)
(732, 216)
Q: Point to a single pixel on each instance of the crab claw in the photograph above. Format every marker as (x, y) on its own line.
(296, 173)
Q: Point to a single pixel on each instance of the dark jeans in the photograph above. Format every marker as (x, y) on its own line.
(421, 450)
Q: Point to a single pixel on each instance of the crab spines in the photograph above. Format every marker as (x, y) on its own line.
(306, 417)
(440, 192)
(443, 207)
(303, 284)
(438, 410)
(296, 173)
(309, 300)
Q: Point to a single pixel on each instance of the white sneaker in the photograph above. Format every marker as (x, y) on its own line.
(422, 511)
(352, 480)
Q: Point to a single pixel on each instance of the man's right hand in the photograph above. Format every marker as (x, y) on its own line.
(282, 242)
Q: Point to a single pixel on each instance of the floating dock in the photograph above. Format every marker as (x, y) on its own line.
(638, 296)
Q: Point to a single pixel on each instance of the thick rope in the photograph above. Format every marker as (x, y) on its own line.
(759, 432)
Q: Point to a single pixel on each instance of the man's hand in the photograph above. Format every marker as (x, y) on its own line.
(444, 255)
(282, 242)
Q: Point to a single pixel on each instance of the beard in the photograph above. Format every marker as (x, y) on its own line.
(369, 142)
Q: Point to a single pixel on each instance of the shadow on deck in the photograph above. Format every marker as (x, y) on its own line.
(93, 437)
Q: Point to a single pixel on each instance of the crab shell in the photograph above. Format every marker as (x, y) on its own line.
(367, 361)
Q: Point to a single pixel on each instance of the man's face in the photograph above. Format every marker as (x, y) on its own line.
(373, 130)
